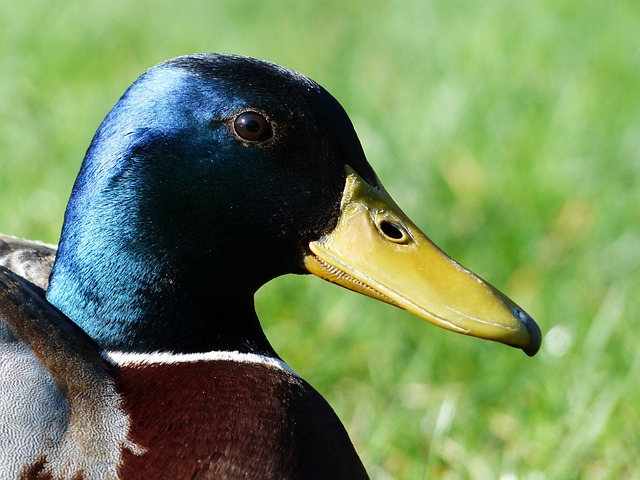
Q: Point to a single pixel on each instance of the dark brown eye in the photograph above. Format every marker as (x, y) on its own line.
(252, 126)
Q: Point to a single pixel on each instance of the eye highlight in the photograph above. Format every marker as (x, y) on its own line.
(252, 127)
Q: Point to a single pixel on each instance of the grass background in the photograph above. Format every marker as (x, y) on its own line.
(509, 131)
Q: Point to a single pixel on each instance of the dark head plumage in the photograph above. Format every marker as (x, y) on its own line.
(169, 193)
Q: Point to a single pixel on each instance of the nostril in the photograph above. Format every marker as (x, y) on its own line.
(391, 230)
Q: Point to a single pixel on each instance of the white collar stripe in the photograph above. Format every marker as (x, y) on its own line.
(126, 358)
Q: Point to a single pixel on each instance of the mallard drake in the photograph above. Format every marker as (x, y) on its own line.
(144, 357)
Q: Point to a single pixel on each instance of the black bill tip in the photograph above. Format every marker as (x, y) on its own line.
(535, 335)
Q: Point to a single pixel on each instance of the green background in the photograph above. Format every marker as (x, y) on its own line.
(508, 131)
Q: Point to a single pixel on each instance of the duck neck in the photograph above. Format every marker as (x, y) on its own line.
(128, 303)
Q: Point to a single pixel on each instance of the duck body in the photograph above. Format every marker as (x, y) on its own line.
(282, 429)
(144, 357)
(72, 410)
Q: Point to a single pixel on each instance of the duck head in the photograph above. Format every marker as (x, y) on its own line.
(214, 174)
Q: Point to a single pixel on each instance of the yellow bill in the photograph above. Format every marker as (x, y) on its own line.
(377, 251)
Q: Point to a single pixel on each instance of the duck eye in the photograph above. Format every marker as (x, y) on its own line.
(252, 126)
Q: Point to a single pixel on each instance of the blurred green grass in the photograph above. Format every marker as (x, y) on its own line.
(508, 131)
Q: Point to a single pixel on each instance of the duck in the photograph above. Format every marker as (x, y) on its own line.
(132, 349)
